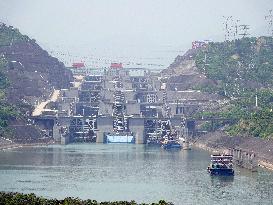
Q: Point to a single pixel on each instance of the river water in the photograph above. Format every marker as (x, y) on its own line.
(108, 172)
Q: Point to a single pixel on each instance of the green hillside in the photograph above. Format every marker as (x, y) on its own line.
(242, 70)
(9, 34)
(6, 110)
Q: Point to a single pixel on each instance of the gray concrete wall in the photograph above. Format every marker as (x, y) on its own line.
(132, 109)
(129, 95)
(56, 133)
(127, 85)
(65, 107)
(136, 125)
(105, 125)
(107, 95)
(156, 84)
(160, 96)
(108, 84)
(105, 108)
(58, 124)
(185, 109)
(175, 121)
(65, 139)
(71, 93)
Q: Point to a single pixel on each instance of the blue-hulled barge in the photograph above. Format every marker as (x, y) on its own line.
(221, 165)
(171, 144)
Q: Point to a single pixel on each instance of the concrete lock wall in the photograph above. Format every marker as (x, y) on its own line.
(133, 109)
(127, 85)
(105, 108)
(65, 107)
(108, 85)
(136, 125)
(176, 122)
(58, 126)
(56, 133)
(108, 95)
(105, 125)
(65, 139)
(129, 95)
(71, 93)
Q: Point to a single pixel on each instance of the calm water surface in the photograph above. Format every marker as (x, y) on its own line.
(128, 172)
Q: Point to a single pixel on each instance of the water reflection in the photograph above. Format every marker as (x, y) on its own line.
(126, 172)
(221, 181)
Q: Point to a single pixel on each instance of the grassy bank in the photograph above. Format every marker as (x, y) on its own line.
(32, 199)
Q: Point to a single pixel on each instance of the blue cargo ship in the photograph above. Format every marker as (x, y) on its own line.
(221, 165)
(171, 144)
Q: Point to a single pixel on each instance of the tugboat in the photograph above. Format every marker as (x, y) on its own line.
(171, 144)
(221, 165)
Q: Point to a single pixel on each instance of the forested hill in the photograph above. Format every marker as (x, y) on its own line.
(238, 66)
(27, 74)
(243, 71)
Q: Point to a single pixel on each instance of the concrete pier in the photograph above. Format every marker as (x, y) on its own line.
(245, 159)
(105, 125)
(137, 128)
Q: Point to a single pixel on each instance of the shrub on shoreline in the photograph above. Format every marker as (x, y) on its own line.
(14, 198)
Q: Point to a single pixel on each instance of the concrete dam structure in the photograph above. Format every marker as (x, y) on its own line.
(119, 105)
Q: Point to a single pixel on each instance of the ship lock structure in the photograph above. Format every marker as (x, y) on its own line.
(119, 105)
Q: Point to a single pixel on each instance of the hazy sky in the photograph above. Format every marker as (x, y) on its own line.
(130, 31)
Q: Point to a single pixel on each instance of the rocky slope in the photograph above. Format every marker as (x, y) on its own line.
(184, 73)
(32, 74)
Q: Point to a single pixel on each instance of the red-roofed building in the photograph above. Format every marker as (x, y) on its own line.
(78, 65)
(116, 65)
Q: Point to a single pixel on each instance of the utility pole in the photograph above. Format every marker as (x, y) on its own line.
(256, 99)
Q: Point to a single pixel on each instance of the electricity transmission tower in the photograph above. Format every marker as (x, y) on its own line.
(227, 27)
(231, 28)
(269, 20)
(244, 30)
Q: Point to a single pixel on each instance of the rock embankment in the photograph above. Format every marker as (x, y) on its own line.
(219, 142)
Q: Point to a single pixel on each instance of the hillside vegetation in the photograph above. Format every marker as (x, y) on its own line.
(32, 199)
(28, 74)
(243, 71)
(7, 111)
(9, 35)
